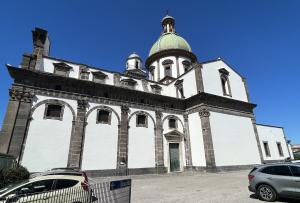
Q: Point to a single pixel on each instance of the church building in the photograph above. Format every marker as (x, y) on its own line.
(169, 113)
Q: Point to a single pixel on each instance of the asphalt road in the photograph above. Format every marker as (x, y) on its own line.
(186, 187)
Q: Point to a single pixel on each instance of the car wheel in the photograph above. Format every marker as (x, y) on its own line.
(266, 193)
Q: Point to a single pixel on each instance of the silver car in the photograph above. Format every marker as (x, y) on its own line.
(271, 181)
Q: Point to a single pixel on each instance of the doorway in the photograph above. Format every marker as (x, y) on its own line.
(174, 157)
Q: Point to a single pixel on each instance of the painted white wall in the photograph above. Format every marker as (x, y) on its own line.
(101, 141)
(291, 151)
(46, 147)
(189, 85)
(212, 82)
(272, 135)
(233, 140)
(141, 143)
(196, 138)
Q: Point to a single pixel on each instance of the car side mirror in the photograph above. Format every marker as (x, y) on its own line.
(24, 190)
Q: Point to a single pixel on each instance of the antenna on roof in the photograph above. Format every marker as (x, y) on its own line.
(167, 12)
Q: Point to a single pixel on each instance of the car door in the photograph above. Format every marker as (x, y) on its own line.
(66, 192)
(31, 192)
(296, 183)
(281, 178)
(37, 191)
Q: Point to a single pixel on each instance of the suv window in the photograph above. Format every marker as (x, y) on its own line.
(65, 183)
(277, 170)
(253, 170)
(295, 170)
(34, 187)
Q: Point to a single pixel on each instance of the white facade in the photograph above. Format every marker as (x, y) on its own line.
(270, 137)
(233, 139)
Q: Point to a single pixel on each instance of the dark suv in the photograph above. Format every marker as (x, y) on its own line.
(271, 181)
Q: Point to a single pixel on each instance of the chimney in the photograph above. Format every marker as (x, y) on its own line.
(41, 47)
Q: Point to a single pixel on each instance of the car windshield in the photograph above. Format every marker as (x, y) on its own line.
(11, 186)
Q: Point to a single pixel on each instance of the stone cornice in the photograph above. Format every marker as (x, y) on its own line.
(71, 86)
(170, 52)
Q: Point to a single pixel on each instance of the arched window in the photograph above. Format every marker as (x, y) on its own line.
(225, 82)
(136, 64)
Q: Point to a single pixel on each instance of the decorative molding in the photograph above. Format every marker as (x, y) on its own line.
(167, 62)
(204, 113)
(82, 104)
(158, 114)
(99, 74)
(224, 71)
(170, 52)
(21, 95)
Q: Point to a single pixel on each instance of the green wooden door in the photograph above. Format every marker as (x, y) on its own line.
(174, 157)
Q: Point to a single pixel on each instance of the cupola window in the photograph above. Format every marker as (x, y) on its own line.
(136, 64)
(53, 111)
(104, 116)
(224, 76)
(141, 120)
(168, 71)
(186, 65)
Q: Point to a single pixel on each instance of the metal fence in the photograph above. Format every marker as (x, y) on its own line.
(107, 192)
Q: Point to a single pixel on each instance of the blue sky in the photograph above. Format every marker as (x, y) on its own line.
(259, 38)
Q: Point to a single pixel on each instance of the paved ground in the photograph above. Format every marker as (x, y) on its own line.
(182, 187)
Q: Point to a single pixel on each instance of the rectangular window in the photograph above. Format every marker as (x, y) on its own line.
(168, 71)
(53, 111)
(279, 149)
(141, 120)
(266, 147)
(84, 75)
(61, 72)
(98, 79)
(172, 123)
(103, 117)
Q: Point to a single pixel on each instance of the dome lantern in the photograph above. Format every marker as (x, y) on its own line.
(133, 61)
(168, 24)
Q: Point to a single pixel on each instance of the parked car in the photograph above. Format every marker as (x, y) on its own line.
(271, 181)
(58, 185)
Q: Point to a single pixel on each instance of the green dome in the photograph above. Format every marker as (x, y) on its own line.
(169, 41)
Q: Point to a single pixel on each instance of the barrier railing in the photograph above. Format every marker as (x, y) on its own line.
(107, 192)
